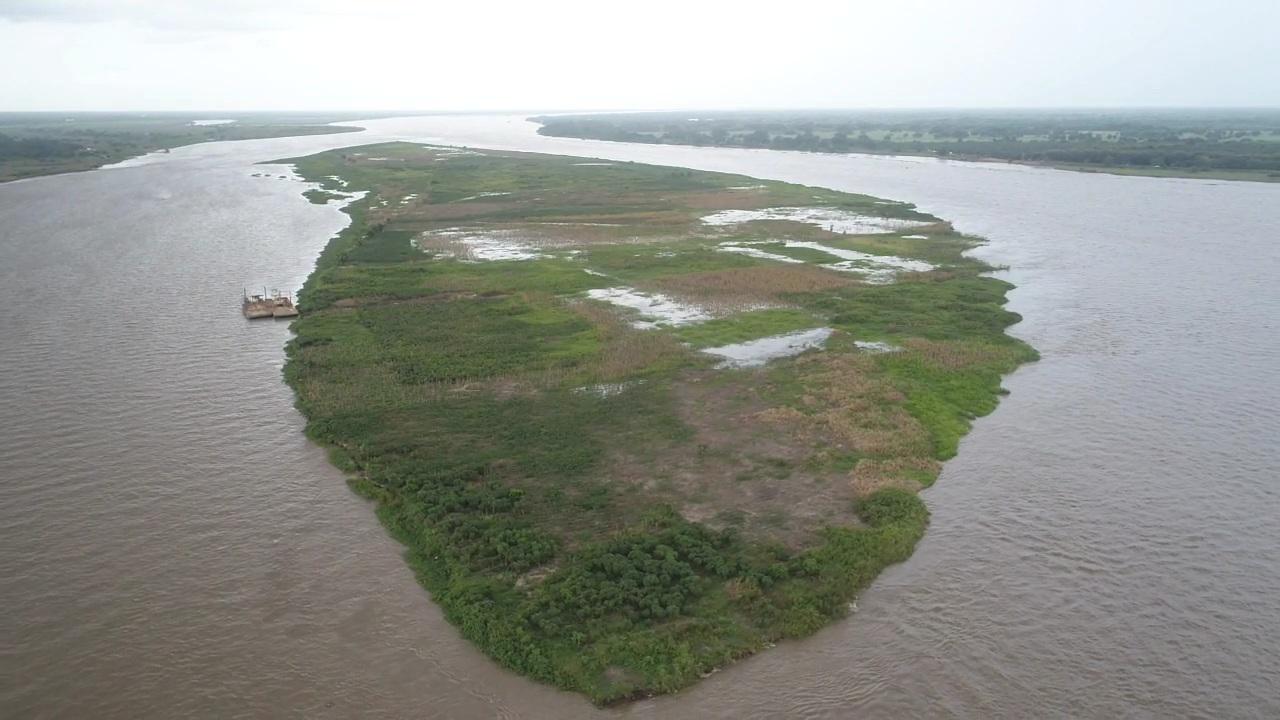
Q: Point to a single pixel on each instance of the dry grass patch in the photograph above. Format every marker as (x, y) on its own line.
(627, 351)
(759, 284)
(738, 470)
(852, 407)
(908, 473)
(582, 233)
(927, 276)
(963, 354)
(725, 199)
(680, 218)
(422, 210)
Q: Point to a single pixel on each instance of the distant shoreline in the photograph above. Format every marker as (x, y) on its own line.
(1230, 150)
(111, 146)
(1170, 173)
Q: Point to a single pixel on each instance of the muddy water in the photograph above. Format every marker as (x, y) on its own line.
(1104, 546)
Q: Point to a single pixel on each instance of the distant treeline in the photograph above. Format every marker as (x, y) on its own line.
(1193, 140)
(36, 147)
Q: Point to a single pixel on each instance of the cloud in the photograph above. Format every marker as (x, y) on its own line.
(185, 16)
(29, 10)
(352, 54)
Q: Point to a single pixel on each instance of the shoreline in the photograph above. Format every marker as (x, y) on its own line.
(891, 520)
(47, 168)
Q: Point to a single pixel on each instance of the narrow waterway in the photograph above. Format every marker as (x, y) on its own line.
(170, 545)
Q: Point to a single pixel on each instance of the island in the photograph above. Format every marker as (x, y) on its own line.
(633, 423)
(1222, 144)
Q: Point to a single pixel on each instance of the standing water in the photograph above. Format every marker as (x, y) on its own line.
(170, 545)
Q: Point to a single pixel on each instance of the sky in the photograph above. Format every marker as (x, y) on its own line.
(242, 55)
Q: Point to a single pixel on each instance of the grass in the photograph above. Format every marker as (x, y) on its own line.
(746, 326)
(959, 307)
(321, 197)
(590, 503)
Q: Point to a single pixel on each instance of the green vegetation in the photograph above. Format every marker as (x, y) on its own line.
(1224, 144)
(321, 197)
(46, 143)
(591, 502)
(747, 326)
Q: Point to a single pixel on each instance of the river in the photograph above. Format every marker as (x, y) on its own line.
(1105, 545)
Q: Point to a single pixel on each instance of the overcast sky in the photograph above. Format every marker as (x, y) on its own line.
(552, 54)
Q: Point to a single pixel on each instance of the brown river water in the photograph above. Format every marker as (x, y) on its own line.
(1107, 543)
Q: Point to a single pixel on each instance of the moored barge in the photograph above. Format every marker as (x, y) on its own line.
(275, 305)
